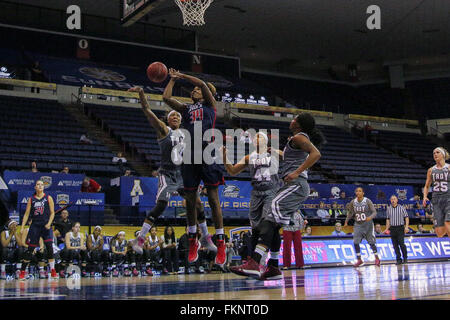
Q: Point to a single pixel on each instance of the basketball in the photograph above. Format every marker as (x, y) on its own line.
(157, 72)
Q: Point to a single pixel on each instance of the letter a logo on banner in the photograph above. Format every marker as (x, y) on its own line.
(136, 188)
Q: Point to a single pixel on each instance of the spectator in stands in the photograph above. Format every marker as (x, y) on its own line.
(338, 230)
(62, 226)
(34, 167)
(152, 251)
(90, 185)
(84, 139)
(65, 170)
(322, 212)
(154, 173)
(378, 229)
(421, 230)
(432, 230)
(119, 160)
(37, 73)
(292, 233)
(335, 212)
(97, 256)
(75, 248)
(308, 232)
(169, 249)
(127, 173)
(342, 195)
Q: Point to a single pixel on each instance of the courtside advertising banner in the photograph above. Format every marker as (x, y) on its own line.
(342, 252)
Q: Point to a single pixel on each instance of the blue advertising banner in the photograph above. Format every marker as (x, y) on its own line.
(341, 251)
(235, 195)
(61, 199)
(20, 180)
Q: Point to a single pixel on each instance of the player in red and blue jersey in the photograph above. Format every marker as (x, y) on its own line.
(42, 210)
(202, 112)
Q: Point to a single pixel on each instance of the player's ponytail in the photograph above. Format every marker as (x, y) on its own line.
(308, 125)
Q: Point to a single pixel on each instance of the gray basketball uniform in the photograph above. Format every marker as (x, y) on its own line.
(169, 174)
(265, 182)
(441, 195)
(362, 229)
(120, 246)
(95, 242)
(289, 197)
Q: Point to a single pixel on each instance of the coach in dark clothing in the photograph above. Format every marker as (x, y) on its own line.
(395, 223)
(62, 226)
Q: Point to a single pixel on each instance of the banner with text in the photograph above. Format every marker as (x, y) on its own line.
(21, 180)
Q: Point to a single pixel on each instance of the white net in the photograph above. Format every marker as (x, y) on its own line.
(193, 11)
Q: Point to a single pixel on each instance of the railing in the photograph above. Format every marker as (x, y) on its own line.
(360, 117)
(29, 84)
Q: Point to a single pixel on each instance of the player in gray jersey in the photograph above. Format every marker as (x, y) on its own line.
(263, 169)
(439, 176)
(170, 180)
(362, 210)
(298, 156)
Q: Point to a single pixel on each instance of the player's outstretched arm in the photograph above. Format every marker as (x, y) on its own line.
(207, 94)
(167, 94)
(158, 125)
(234, 169)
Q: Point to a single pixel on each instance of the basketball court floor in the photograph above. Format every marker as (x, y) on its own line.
(389, 282)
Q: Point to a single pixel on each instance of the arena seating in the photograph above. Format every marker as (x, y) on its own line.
(42, 131)
(411, 145)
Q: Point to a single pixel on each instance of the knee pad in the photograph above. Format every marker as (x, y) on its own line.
(49, 250)
(266, 231)
(157, 211)
(276, 242)
(201, 215)
(28, 254)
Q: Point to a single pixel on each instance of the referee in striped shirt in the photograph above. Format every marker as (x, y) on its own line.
(395, 223)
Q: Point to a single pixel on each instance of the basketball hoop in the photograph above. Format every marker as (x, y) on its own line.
(193, 11)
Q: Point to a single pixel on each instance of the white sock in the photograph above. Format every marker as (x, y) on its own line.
(219, 231)
(18, 266)
(145, 229)
(274, 255)
(52, 265)
(204, 227)
(133, 264)
(3, 266)
(192, 229)
(41, 268)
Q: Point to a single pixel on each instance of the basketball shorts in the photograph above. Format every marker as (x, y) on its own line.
(36, 232)
(260, 203)
(169, 182)
(441, 210)
(193, 174)
(287, 201)
(362, 231)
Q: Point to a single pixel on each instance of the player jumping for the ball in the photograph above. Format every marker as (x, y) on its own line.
(169, 173)
(201, 113)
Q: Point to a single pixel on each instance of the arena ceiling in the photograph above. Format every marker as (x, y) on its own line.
(310, 36)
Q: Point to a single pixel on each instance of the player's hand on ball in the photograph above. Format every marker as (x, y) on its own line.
(291, 176)
(174, 74)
